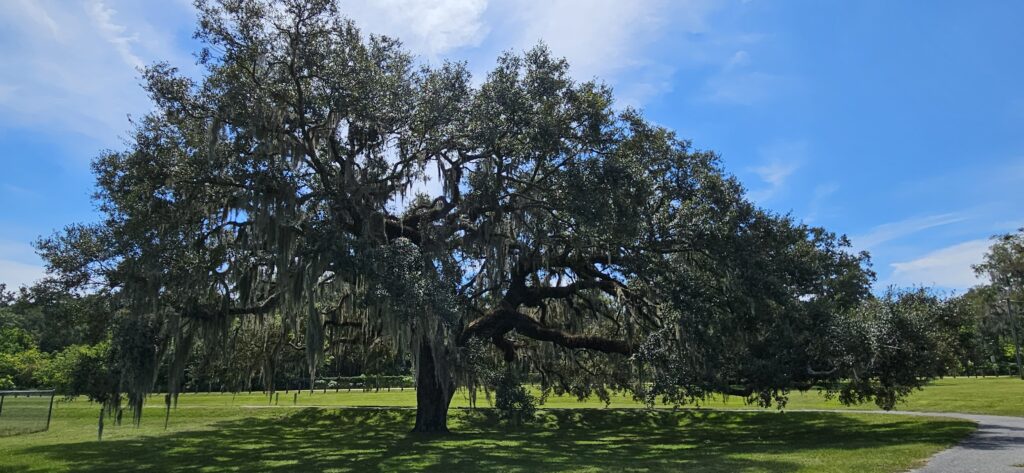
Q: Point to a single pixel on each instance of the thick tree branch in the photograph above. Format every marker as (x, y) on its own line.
(525, 325)
(497, 323)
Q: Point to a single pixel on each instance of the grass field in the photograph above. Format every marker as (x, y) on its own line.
(23, 414)
(995, 396)
(312, 432)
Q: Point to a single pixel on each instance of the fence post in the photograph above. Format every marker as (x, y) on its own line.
(49, 414)
(2, 396)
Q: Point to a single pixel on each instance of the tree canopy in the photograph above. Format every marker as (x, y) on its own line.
(1004, 267)
(319, 185)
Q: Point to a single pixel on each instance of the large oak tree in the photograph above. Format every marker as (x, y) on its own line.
(322, 180)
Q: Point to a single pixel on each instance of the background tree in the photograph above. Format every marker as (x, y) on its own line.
(42, 330)
(323, 182)
(888, 342)
(56, 318)
(1004, 267)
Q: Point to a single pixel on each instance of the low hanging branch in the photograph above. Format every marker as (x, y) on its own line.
(531, 328)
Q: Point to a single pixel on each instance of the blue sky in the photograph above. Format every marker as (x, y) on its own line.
(897, 123)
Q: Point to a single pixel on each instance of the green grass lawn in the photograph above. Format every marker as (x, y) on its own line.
(23, 414)
(309, 432)
(209, 438)
(996, 396)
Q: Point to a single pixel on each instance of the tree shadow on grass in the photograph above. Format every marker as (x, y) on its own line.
(571, 440)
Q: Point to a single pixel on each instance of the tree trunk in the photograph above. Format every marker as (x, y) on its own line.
(433, 394)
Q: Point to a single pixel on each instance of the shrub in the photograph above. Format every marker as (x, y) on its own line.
(513, 402)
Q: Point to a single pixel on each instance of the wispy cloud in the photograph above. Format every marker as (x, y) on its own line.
(37, 14)
(948, 267)
(19, 265)
(895, 230)
(73, 66)
(15, 274)
(608, 39)
(103, 17)
(18, 192)
(739, 59)
(600, 37)
(739, 81)
(781, 160)
(821, 193)
(428, 28)
(652, 81)
(745, 88)
(774, 175)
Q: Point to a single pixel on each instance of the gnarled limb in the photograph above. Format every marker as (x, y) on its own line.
(497, 323)
(529, 327)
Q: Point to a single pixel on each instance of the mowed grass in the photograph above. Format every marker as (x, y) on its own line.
(316, 432)
(209, 438)
(992, 395)
(23, 414)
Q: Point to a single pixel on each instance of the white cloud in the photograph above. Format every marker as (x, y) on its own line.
(19, 265)
(781, 159)
(745, 88)
(428, 28)
(739, 59)
(821, 193)
(15, 274)
(71, 67)
(895, 230)
(775, 174)
(612, 39)
(652, 81)
(597, 38)
(737, 80)
(37, 14)
(948, 267)
(103, 17)
(608, 39)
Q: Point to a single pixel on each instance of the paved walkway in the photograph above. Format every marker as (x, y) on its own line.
(996, 447)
